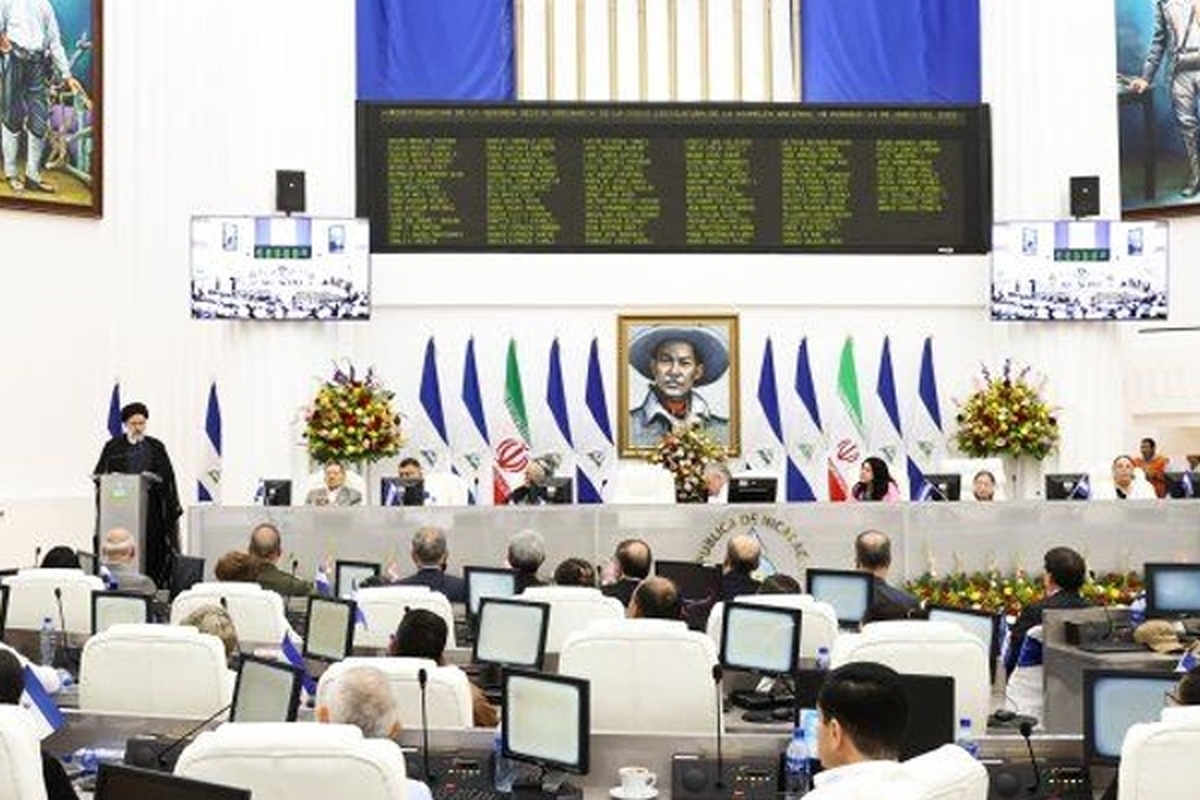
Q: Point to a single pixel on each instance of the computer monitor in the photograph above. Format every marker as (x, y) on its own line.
(1068, 486)
(850, 592)
(394, 491)
(330, 633)
(487, 582)
(752, 489)
(266, 691)
(931, 716)
(762, 639)
(699, 588)
(511, 632)
(87, 561)
(186, 572)
(1115, 699)
(112, 608)
(119, 782)
(1172, 590)
(546, 720)
(984, 625)
(943, 487)
(558, 491)
(348, 576)
(1182, 485)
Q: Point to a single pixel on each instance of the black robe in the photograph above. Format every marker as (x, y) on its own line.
(164, 510)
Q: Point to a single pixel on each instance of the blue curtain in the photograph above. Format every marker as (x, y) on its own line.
(435, 50)
(891, 51)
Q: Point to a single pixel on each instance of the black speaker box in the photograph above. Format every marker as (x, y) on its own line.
(1085, 196)
(289, 191)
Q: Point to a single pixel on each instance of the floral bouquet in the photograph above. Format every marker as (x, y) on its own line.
(1007, 416)
(351, 419)
(993, 591)
(686, 451)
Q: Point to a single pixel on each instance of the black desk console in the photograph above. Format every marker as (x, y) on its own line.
(1060, 780)
(694, 778)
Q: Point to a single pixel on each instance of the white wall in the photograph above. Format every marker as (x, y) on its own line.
(199, 114)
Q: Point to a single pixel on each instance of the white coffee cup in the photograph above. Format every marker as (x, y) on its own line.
(636, 781)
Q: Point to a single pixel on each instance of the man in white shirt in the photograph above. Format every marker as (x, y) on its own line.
(862, 713)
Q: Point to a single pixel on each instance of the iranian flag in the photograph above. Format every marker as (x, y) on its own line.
(512, 437)
(847, 428)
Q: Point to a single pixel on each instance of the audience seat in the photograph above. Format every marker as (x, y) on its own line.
(647, 675)
(446, 489)
(819, 627)
(257, 613)
(926, 648)
(947, 773)
(572, 608)
(31, 598)
(447, 690)
(384, 606)
(154, 670)
(1157, 757)
(288, 760)
(636, 483)
(20, 756)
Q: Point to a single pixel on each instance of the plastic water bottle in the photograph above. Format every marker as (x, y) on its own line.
(966, 740)
(504, 772)
(46, 642)
(823, 658)
(797, 778)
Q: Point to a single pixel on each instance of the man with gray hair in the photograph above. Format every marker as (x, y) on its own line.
(430, 555)
(118, 555)
(362, 696)
(526, 552)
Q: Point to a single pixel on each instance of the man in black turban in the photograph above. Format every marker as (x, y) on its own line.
(135, 453)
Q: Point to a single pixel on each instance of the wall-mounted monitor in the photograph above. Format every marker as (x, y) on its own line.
(1172, 590)
(1079, 270)
(280, 268)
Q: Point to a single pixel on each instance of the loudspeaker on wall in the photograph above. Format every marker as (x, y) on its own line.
(1085, 196)
(289, 191)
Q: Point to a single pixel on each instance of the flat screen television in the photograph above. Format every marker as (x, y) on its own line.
(943, 487)
(395, 491)
(1115, 699)
(1172, 590)
(1082, 270)
(752, 489)
(546, 720)
(850, 592)
(114, 608)
(1068, 486)
(511, 632)
(119, 782)
(280, 268)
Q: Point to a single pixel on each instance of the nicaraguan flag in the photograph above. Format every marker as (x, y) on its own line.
(798, 489)
(474, 459)
(847, 434)
(114, 411)
(47, 718)
(511, 450)
(1188, 662)
(208, 487)
(431, 392)
(887, 437)
(810, 451)
(556, 401)
(321, 582)
(598, 454)
(293, 656)
(926, 441)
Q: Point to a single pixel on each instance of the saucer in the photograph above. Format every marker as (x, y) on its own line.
(619, 793)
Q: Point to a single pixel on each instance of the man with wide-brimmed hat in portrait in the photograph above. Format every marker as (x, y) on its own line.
(676, 361)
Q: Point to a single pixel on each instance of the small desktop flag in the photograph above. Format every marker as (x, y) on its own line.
(114, 411)
(46, 716)
(1188, 662)
(288, 649)
(322, 583)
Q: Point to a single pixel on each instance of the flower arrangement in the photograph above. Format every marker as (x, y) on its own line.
(993, 591)
(686, 451)
(351, 419)
(1007, 416)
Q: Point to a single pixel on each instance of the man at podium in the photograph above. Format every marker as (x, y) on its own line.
(135, 453)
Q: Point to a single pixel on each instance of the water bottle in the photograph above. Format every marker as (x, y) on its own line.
(504, 772)
(1137, 610)
(89, 759)
(966, 739)
(823, 658)
(797, 769)
(46, 642)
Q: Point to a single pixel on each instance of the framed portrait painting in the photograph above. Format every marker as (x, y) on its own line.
(677, 370)
(51, 98)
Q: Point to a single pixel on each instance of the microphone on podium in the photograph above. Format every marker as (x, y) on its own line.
(423, 680)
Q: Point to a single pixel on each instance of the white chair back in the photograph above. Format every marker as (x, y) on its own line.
(638, 483)
(818, 629)
(447, 690)
(926, 648)
(572, 608)
(20, 756)
(31, 598)
(446, 489)
(647, 675)
(1157, 758)
(257, 613)
(154, 670)
(948, 773)
(286, 760)
(383, 607)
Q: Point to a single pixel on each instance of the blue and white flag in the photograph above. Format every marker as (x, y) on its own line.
(114, 411)
(797, 488)
(1188, 662)
(208, 487)
(886, 433)
(474, 459)
(47, 718)
(434, 448)
(810, 448)
(926, 440)
(556, 401)
(595, 443)
(322, 583)
(293, 656)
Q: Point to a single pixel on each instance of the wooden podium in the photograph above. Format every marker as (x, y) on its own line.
(122, 502)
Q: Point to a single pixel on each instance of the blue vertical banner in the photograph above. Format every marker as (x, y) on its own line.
(435, 50)
(208, 486)
(899, 51)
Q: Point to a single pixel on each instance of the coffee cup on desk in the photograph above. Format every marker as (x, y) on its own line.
(637, 781)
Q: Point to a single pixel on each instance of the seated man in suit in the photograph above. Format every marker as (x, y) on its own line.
(430, 555)
(362, 697)
(873, 554)
(1064, 576)
(575, 572)
(118, 555)
(335, 492)
(12, 684)
(656, 598)
(266, 544)
(533, 491)
(632, 559)
(861, 715)
(742, 555)
(423, 634)
(526, 552)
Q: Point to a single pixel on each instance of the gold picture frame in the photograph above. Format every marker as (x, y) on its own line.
(651, 399)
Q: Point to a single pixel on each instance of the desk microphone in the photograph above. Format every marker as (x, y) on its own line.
(422, 680)
(159, 758)
(295, 566)
(1026, 728)
(37, 555)
(716, 674)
